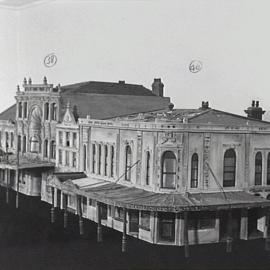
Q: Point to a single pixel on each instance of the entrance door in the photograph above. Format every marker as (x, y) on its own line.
(134, 221)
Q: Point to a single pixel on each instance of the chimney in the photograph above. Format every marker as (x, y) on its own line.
(255, 111)
(205, 105)
(121, 82)
(171, 105)
(157, 87)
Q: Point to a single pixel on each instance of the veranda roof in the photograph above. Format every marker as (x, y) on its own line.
(135, 198)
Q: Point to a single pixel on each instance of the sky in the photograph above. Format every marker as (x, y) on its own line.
(138, 41)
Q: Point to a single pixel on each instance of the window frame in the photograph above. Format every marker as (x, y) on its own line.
(163, 173)
(229, 169)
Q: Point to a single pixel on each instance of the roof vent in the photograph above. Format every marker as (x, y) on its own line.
(121, 82)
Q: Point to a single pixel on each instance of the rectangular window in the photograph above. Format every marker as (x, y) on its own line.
(74, 159)
(119, 213)
(60, 139)
(201, 220)
(145, 220)
(92, 203)
(166, 227)
(84, 204)
(60, 158)
(67, 158)
(74, 139)
(67, 139)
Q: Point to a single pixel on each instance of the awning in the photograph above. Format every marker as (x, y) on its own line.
(135, 198)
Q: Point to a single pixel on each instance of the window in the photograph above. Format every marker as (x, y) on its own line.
(60, 157)
(145, 220)
(46, 111)
(128, 163)
(112, 161)
(106, 160)
(229, 168)
(147, 176)
(168, 170)
(194, 171)
(258, 169)
(11, 139)
(201, 220)
(167, 227)
(60, 139)
(84, 204)
(268, 170)
(25, 109)
(84, 157)
(74, 139)
(7, 139)
(67, 139)
(53, 111)
(24, 144)
(34, 144)
(103, 211)
(67, 158)
(53, 149)
(20, 110)
(99, 158)
(46, 148)
(119, 213)
(93, 158)
(74, 159)
(19, 143)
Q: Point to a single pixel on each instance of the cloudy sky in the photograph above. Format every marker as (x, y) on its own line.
(136, 41)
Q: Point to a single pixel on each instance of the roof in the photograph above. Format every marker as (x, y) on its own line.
(136, 198)
(63, 176)
(198, 116)
(9, 113)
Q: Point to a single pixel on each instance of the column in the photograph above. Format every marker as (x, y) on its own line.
(79, 210)
(52, 207)
(244, 224)
(17, 189)
(65, 201)
(124, 236)
(267, 229)
(97, 158)
(102, 160)
(99, 227)
(185, 231)
(230, 236)
(109, 160)
(7, 180)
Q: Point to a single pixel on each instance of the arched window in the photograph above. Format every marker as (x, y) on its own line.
(20, 110)
(229, 168)
(105, 160)
(34, 144)
(147, 168)
(7, 139)
(268, 170)
(194, 171)
(99, 158)
(93, 158)
(53, 149)
(11, 139)
(168, 170)
(46, 111)
(84, 157)
(128, 163)
(53, 111)
(46, 148)
(112, 161)
(258, 169)
(25, 110)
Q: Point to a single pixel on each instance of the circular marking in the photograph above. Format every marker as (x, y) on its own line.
(50, 60)
(195, 66)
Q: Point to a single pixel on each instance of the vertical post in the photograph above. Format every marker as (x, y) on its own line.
(7, 176)
(267, 230)
(99, 227)
(186, 242)
(124, 237)
(18, 185)
(79, 209)
(65, 210)
(230, 232)
(52, 208)
(244, 224)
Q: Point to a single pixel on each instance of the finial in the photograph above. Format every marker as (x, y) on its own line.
(44, 80)
(18, 88)
(29, 81)
(24, 81)
(59, 87)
